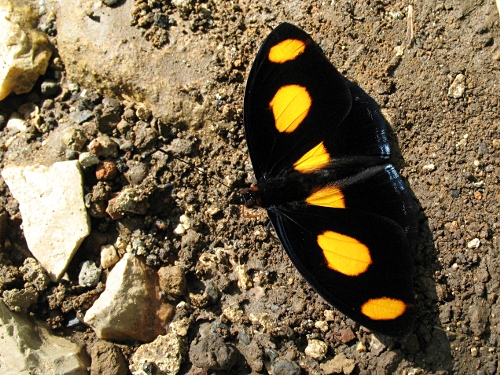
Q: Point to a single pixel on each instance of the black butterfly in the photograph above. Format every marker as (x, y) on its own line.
(320, 152)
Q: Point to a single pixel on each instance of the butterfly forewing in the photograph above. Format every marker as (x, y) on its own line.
(274, 147)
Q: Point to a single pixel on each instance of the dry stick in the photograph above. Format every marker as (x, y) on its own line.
(410, 32)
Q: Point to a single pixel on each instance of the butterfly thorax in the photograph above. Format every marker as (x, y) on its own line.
(290, 189)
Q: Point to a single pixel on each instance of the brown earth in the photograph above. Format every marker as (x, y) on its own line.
(450, 152)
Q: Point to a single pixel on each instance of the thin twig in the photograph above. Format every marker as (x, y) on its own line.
(410, 31)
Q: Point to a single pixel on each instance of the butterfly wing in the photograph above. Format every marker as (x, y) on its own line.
(358, 258)
(295, 99)
(352, 238)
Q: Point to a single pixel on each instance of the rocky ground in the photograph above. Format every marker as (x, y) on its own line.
(128, 79)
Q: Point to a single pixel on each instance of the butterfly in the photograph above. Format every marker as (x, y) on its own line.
(320, 153)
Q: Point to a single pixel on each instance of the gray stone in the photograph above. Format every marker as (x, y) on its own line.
(284, 367)
(89, 274)
(210, 352)
(27, 347)
(81, 116)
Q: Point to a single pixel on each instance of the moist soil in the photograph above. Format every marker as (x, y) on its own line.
(434, 70)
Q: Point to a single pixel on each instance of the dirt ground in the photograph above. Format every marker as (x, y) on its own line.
(434, 70)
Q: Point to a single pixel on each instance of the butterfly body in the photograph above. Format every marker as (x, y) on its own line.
(320, 152)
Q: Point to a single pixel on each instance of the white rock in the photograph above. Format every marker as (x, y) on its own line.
(166, 352)
(16, 124)
(87, 159)
(109, 256)
(474, 243)
(27, 347)
(24, 51)
(55, 220)
(457, 87)
(429, 167)
(130, 308)
(316, 349)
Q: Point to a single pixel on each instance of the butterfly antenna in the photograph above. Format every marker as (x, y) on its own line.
(199, 169)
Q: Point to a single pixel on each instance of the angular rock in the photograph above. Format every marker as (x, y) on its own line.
(27, 347)
(51, 202)
(130, 308)
(24, 51)
(130, 200)
(95, 55)
(166, 353)
(316, 349)
(210, 352)
(172, 280)
(340, 364)
(107, 359)
(457, 87)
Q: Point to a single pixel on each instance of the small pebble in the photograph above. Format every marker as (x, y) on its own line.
(16, 124)
(88, 159)
(104, 146)
(474, 244)
(143, 113)
(429, 167)
(329, 315)
(172, 280)
(316, 349)
(457, 87)
(321, 325)
(89, 274)
(109, 256)
(50, 88)
(360, 347)
(106, 170)
(73, 138)
(81, 116)
(474, 351)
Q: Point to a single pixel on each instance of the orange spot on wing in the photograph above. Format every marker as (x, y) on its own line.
(344, 254)
(383, 308)
(316, 158)
(286, 50)
(290, 105)
(328, 196)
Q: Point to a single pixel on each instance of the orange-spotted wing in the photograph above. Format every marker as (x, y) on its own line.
(320, 152)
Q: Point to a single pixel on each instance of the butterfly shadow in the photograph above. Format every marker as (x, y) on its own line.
(428, 346)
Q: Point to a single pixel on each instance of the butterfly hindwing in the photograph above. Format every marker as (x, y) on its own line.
(383, 245)
(372, 208)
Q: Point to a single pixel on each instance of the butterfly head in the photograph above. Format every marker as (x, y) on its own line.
(250, 197)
